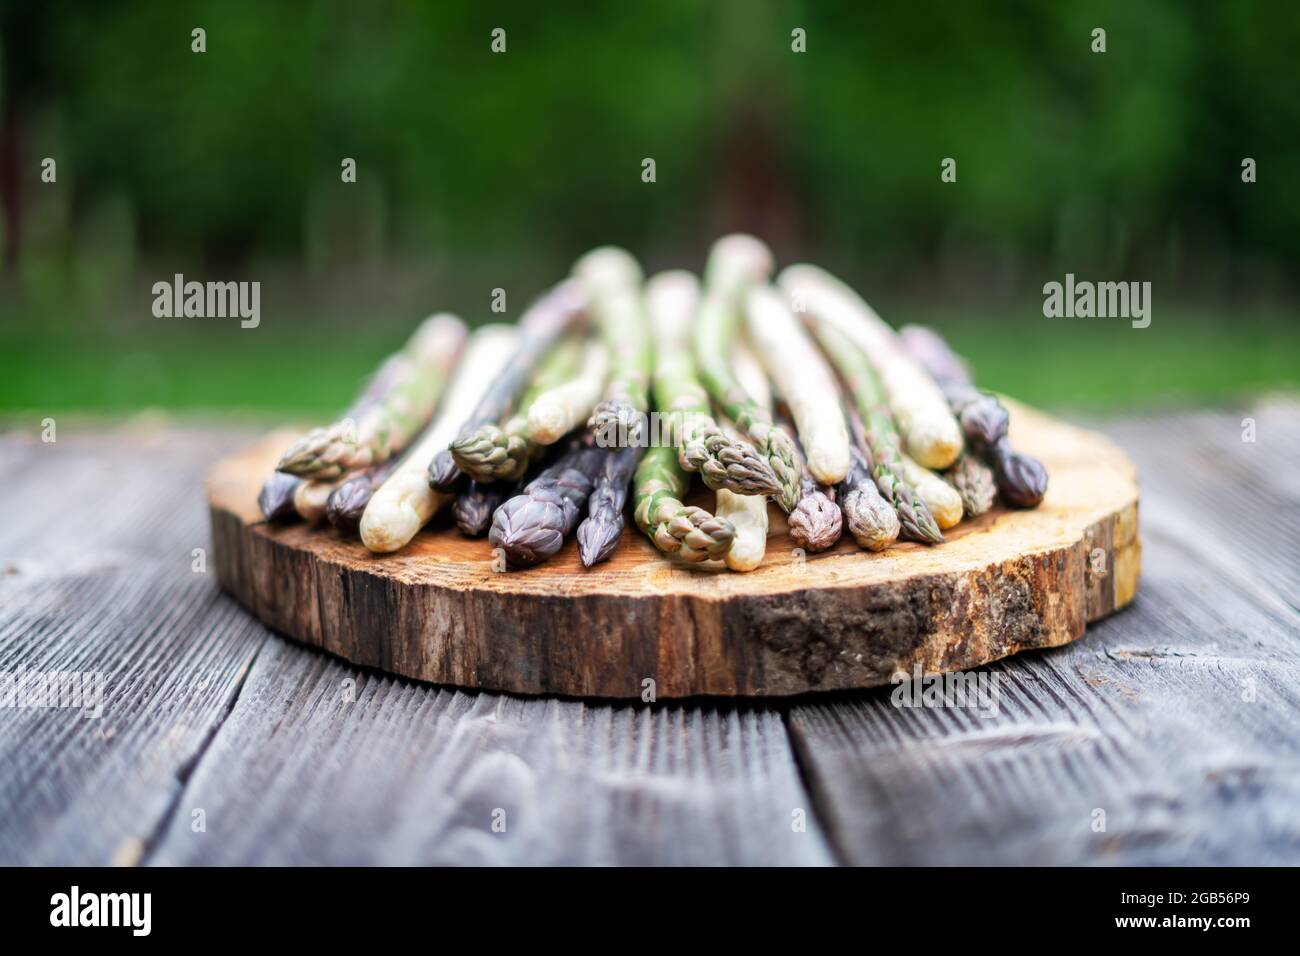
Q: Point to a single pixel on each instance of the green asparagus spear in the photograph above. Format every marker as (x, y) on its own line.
(545, 322)
(735, 264)
(503, 452)
(876, 431)
(975, 482)
(392, 411)
(660, 481)
(612, 280)
(675, 528)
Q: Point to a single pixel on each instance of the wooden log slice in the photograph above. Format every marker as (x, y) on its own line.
(439, 611)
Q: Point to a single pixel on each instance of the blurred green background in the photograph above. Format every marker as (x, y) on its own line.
(479, 170)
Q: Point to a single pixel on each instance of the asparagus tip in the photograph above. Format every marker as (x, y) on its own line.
(816, 522)
(491, 454)
(597, 540)
(528, 529)
(444, 474)
(1022, 480)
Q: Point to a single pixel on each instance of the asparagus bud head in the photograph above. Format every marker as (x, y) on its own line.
(1022, 480)
(816, 522)
(529, 528)
(700, 536)
(617, 424)
(975, 483)
(725, 462)
(444, 474)
(873, 523)
(492, 453)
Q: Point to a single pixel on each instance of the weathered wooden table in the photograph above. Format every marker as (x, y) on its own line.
(1169, 734)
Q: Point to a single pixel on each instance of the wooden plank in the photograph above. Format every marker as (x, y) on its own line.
(1241, 498)
(1177, 718)
(100, 580)
(1144, 718)
(97, 587)
(412, 774)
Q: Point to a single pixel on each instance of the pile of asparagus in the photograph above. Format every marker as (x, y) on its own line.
(612, 387)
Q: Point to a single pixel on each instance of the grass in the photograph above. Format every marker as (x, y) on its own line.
(1184, 357)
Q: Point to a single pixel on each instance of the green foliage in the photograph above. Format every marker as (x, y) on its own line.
(538, 149)
(478, 169)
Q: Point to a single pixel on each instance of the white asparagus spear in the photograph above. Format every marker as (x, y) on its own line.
(804, 379)
(750, 374)
(309, 497)
(404, 503)
(747, 513)
(930, 433)
(559, 410)
(940, 497)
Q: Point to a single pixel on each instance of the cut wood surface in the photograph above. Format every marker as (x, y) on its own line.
(442, 611)
(220, 742)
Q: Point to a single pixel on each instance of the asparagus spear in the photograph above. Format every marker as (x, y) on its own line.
(600, 530)
(310, 497)
(735, 264)
(747, 513)
(724, 460)
(805, 381)
(748, 517)
(930, 433)
(392, 410)
(816, 522)
(405, 501)
(558, 410)
(872, 520)
(874, 431)
(974, 482)
(503, 452)
(532, 526)
(1021, 480)
(940, 497)
(612, 278)
(276, 497)
(348, 501)
(543, 324)
(673, 527)
(660, 481)
(474, 507)
(981, 416)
